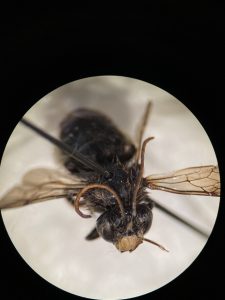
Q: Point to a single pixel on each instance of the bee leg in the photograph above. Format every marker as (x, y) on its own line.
(92, 235)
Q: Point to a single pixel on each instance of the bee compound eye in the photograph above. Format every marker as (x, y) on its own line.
(143, 218)
(104, 227)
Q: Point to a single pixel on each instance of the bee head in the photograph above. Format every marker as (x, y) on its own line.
(126, 232)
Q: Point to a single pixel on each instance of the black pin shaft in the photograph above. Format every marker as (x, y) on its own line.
(178, 218)
(72, 153)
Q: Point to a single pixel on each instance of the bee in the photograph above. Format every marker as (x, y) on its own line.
(106, 175)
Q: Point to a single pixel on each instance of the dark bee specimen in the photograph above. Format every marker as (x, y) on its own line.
(97, 138)
(107, 177)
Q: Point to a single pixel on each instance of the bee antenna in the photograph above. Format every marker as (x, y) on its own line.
(154, 243)
(96, 186)
(140, 175)
(142, 128)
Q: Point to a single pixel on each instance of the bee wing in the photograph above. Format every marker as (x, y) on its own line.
(41, 185)
(204, 180)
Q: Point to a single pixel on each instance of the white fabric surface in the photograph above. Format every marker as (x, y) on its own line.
(50, 235)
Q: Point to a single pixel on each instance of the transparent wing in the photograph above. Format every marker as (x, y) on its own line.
(204, 180)
(39, 185)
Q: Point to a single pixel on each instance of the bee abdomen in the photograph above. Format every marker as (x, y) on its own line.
(95, 136)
